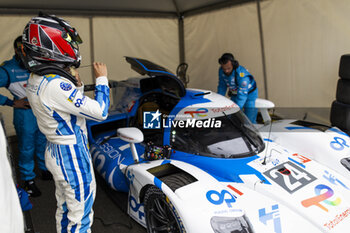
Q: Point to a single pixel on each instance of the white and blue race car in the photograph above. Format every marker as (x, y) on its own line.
(190, 161)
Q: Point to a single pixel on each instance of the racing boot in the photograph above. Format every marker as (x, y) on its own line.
(46, 175)
(31, 188)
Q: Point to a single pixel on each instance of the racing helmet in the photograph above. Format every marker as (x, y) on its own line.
(49, 39)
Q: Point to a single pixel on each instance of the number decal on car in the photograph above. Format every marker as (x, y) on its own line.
(290, 176)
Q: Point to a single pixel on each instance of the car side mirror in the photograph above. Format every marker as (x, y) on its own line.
(132, 135)
(263, 106)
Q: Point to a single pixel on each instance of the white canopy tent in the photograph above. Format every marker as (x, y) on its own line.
(292, 47)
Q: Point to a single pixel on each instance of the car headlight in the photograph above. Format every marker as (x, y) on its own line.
(231, 224)
(346, 163)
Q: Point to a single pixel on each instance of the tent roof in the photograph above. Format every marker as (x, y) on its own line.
(154, 8)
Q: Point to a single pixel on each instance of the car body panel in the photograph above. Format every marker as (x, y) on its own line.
(326, 145)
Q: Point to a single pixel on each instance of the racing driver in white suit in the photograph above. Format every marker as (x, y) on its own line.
(56, 97)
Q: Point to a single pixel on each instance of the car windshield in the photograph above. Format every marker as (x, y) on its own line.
(236, 138)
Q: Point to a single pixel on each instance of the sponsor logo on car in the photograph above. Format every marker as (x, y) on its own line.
(322, 196)
(333, 179)
(200, 112)
(217, 198)
(302, 158)
(338, 144)
(273, 216)
(131, 177)
(338, 218)
(224, 109)
(136, 207)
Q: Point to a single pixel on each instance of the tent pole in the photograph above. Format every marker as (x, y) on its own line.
(181, 39)
(180, 18)
(262, 48)
(92, 48)
(182, 47)
(181, 34)
(87, 13)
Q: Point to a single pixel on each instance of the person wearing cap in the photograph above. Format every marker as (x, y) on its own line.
(14, 76)
(242, 88)
(55, 92)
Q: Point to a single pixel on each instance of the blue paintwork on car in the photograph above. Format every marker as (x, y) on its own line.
(223, 169)
(108, 159)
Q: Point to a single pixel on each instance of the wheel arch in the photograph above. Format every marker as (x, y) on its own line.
(164, 173)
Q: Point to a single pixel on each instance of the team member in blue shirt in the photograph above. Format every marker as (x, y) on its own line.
(241, 84)
(14, 76)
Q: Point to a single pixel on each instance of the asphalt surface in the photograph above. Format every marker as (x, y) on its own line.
(108, 215)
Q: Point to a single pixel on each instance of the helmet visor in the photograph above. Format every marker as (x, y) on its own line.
(77, 38)
(68, 38)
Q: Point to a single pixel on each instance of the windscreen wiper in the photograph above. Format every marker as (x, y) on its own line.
(243, 131)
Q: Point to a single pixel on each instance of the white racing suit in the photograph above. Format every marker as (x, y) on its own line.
(61, 109)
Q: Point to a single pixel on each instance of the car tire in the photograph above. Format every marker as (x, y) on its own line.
(343, 90)
(177, 180)
(161, 215)
(340, 115)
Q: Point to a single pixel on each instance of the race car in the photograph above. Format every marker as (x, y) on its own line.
(190, 161)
